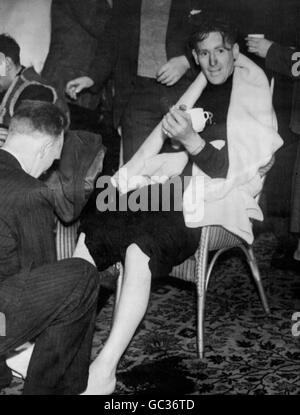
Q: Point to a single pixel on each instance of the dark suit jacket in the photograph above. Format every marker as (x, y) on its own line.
(280, 59)
(119, 50)
(26, 227)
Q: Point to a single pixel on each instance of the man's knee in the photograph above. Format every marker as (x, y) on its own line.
(133, 251)
(136, 257)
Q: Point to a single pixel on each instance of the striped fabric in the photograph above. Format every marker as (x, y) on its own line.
(186, 270)
(66, 237)
(219, 239)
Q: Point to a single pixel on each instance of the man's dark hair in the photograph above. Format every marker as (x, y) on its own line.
(38, 116)
(10, 48)
(209, 23)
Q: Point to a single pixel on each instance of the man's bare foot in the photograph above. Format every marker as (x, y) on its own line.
(99, 383)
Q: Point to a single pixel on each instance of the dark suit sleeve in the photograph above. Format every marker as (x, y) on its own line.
(35, 228)
(72, 180)
(280, 59)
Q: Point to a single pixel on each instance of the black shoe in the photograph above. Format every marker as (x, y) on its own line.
(109, 277)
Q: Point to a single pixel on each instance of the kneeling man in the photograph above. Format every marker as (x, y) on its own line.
(51, 303)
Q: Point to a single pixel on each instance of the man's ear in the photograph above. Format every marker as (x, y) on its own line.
(195, 57)
(45, 148)
(236, 51)
(9, 63)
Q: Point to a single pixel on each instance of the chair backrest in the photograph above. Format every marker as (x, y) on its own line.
(220, 238)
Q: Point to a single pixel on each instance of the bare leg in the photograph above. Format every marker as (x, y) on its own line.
(129, 313)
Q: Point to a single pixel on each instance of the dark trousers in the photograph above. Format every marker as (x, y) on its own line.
(145, 109)
(54, 306)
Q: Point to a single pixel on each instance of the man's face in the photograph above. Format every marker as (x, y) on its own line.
(215, 58)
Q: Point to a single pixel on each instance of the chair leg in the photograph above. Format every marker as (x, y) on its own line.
(256, 275)
(201, 256)
(200, 325)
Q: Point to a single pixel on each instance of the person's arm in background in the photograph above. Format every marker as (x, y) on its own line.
(284, 60)
(278, 58)
(179, 54)
(173, 70)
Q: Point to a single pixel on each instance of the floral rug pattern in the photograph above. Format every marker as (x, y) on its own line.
(246, 352)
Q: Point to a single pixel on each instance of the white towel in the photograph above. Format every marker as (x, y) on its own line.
(252, 140)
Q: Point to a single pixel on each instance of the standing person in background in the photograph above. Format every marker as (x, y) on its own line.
(82, 22)
(18, 83)
(144, 46)
(285, 60)
(76, 31)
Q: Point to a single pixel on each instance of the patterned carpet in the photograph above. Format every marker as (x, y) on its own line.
(246, 352)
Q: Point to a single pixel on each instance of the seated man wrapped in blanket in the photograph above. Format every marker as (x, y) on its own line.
(151, 225)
